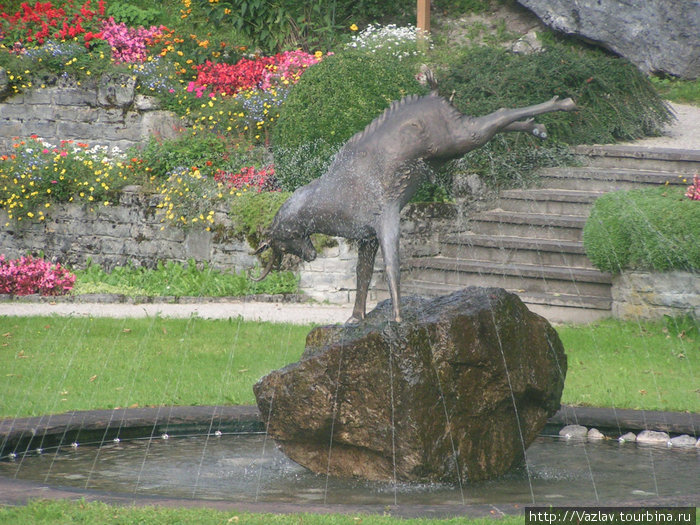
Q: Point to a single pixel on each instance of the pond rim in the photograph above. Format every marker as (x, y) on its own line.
(64, 428)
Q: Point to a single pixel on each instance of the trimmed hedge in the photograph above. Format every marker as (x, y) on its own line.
(334, 100)
(651, 229)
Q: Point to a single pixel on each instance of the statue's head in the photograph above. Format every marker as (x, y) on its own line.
(299, 245)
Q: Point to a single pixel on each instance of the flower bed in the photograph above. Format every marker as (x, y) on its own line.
(27, 275)
(37, 174)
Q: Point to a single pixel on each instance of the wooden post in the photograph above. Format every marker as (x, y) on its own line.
(423, 18)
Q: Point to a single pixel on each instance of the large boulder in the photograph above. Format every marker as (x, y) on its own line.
(456, 391)
(655, 35)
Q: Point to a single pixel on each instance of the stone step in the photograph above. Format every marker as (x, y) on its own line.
(601, 179)
(533, 225)
(557, 308)
(517, 250)
(549, 201)
(528, 277)
(666, 159)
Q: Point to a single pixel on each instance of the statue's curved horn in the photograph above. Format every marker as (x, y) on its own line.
(273, 260)
(264, 245)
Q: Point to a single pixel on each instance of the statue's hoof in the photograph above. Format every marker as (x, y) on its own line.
(568, 104)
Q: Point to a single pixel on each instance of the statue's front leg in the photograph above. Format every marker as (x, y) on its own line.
(367, 252)
(389, 239)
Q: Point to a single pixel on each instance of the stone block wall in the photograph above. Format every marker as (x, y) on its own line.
(132, 232)
(106, 112)
(116, 235)
(652, 295)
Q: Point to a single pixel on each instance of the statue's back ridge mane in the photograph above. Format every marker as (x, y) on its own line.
(398, 106)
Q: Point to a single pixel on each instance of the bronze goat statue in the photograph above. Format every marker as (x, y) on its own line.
(377, 172)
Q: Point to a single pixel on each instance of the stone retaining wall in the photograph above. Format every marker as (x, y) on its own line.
(116, 235)
(105, 112)
(653, 295)
(131, 232)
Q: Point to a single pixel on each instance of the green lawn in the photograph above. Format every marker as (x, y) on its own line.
(50, 512)
(645, 365)
(54, 364)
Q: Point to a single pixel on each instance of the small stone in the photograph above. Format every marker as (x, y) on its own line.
(653, 437)
(595, 434)
(684, 441)
(146, 103)
(574, 432)
(629, 436)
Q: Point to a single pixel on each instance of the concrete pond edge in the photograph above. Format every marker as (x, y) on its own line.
(160, 421)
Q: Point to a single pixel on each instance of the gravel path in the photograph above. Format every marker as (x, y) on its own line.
(295, 313)
(683, 133)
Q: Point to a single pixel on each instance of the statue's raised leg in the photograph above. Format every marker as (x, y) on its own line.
(528, 126)
(504, 119)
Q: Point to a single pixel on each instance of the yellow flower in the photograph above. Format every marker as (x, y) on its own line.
(353, 27)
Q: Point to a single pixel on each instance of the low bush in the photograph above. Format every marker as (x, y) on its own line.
(651, 229)
(252, 213)
(334, 100)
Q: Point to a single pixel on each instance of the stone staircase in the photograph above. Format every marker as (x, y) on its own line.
(531, 241)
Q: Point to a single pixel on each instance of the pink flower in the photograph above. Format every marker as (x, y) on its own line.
(26, 275)
(693, 192)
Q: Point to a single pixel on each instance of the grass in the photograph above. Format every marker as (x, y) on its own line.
(639, 365)
(38, 512)
(678, 90)
(55, 364)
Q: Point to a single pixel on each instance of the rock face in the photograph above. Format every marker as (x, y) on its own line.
(656, 35)
(427, 399)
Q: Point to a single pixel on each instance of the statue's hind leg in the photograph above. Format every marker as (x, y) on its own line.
(504, 119)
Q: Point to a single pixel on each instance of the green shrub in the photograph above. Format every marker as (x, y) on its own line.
(651, 229)
(616, 102)
(252, 213)
(206, 151)
(319, 24)
(133, 15)
(163, 156)
(334, 100)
